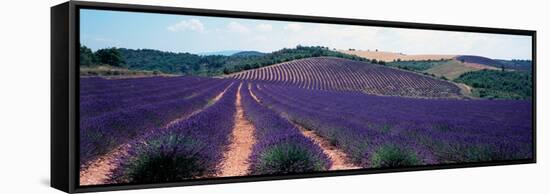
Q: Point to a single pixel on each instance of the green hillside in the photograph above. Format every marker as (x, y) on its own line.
(496, 84)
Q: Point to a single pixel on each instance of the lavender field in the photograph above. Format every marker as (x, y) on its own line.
(419, 131)
(176, 97)
(311, 115)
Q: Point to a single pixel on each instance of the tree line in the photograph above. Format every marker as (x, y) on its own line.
(192, 64)
(107, 56)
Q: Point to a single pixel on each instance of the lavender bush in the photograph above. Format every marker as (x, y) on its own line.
(188, 149)
(100, 134)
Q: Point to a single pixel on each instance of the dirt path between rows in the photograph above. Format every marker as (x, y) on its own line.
(98, 170)
(199, 110)
(235, 162)
(337, 156)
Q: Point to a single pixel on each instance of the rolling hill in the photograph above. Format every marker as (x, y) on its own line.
(448, 66)
(452, 69)
(330, 73)
(514, 64)
(478, 60)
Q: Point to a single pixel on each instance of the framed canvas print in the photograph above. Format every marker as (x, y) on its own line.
(148, 96)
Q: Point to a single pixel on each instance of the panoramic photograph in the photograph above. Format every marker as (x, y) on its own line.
(168, 98)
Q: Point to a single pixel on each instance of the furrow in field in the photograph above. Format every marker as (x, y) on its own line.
(337, 157)
(214, 100)
(235, 162)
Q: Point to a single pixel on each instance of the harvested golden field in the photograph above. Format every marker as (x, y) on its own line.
(390, 56)
(453, 69)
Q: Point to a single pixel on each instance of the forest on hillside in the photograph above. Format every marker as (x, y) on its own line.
(496, 84)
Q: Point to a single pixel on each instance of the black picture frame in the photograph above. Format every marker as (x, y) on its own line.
(65, 87)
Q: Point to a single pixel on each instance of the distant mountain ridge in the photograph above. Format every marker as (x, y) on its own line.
(248, 54)
(239, 53)
(222, 53)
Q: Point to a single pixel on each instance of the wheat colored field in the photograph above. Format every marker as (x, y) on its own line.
(390, 56)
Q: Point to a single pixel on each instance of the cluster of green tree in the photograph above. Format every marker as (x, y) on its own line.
(108, 56)
(516, 64)
(420, 65)
(495, 84)
(377, 62)
(192, 64)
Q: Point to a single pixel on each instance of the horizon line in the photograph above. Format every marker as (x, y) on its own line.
(332, 49)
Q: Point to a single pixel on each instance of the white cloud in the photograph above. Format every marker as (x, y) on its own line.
(408, 41)
(237, 27)
(293, 27)
(191, 24)
(264, 27)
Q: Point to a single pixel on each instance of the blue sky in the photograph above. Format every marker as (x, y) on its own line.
(198, 34)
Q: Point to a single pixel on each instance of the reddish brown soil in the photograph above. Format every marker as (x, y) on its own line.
(337, 156)
(99, 170)
(235, 162)
(253, 95)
